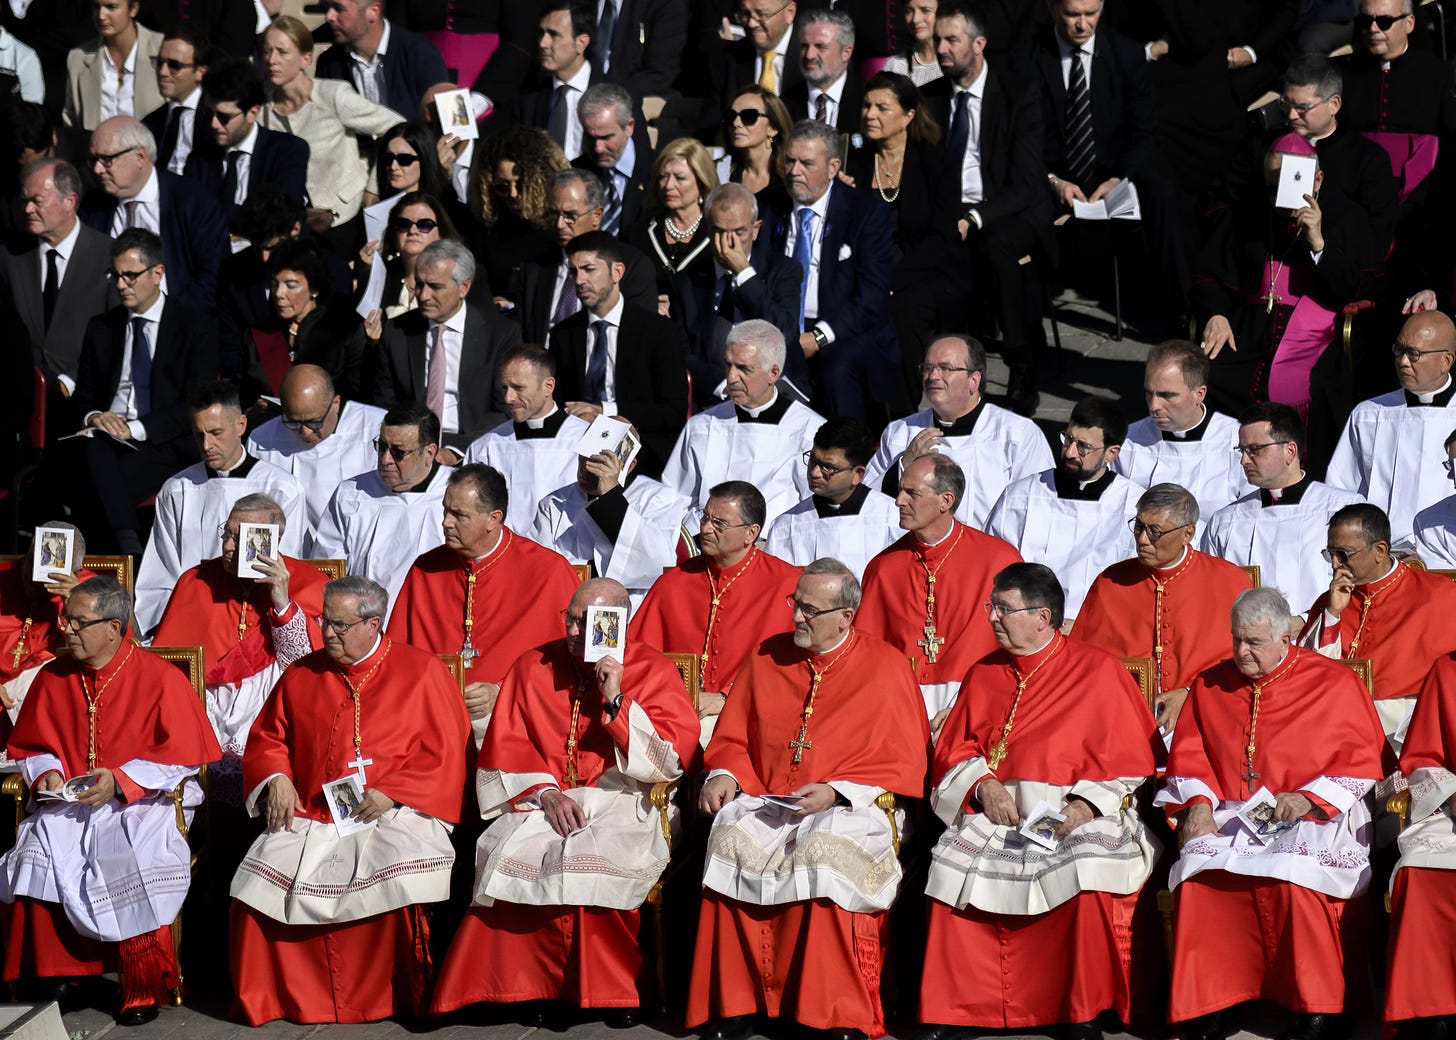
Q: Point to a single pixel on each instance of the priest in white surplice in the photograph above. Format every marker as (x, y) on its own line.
(536, 450)
(194, 504)
(1435, 526)
(627, 526)
(1183, 441)
(758, 435)
(1280, 526)
(320, 438)
(993, 446)
(1074, 517)
(382, 520)
(1390, 452)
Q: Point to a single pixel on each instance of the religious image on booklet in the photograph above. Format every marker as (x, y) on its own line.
(1257, 815)
(54, 549)
(344, 796)
(255, 540)
(68, 791)
(1040, 826)
(606, 633)
(613, 435)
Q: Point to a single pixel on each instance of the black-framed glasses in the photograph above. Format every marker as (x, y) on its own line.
(325, 623)
(811, 462)
(746, 116)
(1082, 448)
(75, 624)
(570, 620)
(1304, 108)
(1253, 451)
(383, 447)
(553, 215)
(404, 225)
(105, 161)
(1364, 21)
(224, 532)
(1155, 535)
(1401, 351)
(744, 17)
(172, 64)
(718, 523)
(313, 425)
(1000, 610)
(1341, 556)
(929, 369)
(1449, 466)
(400, 159)
(798, 606)
(129, 277)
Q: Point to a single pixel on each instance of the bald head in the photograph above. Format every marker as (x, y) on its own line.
(599, 592)
(309, 398)
(1424, 351)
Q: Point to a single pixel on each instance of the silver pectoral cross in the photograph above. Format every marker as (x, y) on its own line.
(359, 763)
(468, 653)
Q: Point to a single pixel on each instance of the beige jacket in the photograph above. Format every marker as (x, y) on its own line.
(84, 69)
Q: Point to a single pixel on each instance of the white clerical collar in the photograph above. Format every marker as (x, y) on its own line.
(1317, 140)
(756, 412)
(1052, 634)
(1066, 47)
(1181, 557)
(500, 539)
(1277, 493)
(372, 650)
(1083, 485)
(1202, 414)
(242, 458)
(1393, 564)
(1427, 398)
(247, 144)
(837, 645)
(538, 424)
(942, 538)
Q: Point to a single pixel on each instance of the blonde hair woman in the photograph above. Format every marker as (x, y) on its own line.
(677, 194)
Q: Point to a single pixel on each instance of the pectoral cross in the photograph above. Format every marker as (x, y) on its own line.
(1250, 776)
(571, 777)
(931, 643)
(1270, 299)
(468, 653)
(802, 743)
(17, 654)
(359, 763)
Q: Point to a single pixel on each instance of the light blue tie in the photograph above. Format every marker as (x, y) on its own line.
(803, 254)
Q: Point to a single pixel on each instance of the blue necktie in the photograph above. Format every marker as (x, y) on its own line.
(803, 254)
(960, 132)
(612, 214)
(605, 28)
(596, 366)
(141, 367)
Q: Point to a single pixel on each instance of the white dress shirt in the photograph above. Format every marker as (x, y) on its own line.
(124, 403)
(64, 248)
(245, 164)
(369, 74)
(832, 94)
(613, 318)
(148, 208)
(820, 206)
(1065, 50)
(575, 86)
(454, 342)
(118, 86)
(780, 47)
(184, 128)
(971, 187)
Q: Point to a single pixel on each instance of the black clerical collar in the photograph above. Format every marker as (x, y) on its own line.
(963, 426)
(423, 484)
(242, 469)
(849, 507)
(1441, 399)
(1070, 489)
(1195, 434)
(771, 414)
(550, 427)
(1289, 496)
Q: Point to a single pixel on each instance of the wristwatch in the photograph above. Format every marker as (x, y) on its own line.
(819, 337)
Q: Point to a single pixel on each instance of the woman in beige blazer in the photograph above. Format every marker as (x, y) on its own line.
(329, 114)
(125, 43)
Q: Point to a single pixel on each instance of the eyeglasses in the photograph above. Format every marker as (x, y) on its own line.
(1082, 448)
(1342, 556)
(314, 425)
(223, 118)
(1154, 534)
(744, 17)
(172, 64)
(1450, 467)
(340, 627)
(1363, 21)
(75, 624)
(718, 524)
(105, 161)
(949, 370)
(1000, 610)
(1303, 108)
(553, 215)
(1404, 353)
(382, 447)
(823, 467)
(129, 277)
(571, 620)
(746, 116)
(404, 225)
(810, 613)
(400, 159)
(1255, 450)
(226, 534)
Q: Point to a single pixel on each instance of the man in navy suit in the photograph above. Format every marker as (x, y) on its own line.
(831, 90)
(239, 156)
(388, 65)
(566, 70)
(840, 238)
(177, 125)
(133, 193)
(614, 144)
(137, 363)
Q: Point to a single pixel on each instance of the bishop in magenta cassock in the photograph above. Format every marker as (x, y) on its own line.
(1262, 917)
(329, 926)
(567, 766)
(802, 866)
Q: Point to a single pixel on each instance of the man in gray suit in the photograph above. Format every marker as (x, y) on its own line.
(56, 280)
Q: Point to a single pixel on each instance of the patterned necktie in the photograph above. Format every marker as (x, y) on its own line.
(804, 254)
(596, 365)
(141, 367)
(568, 303)
(435, 378)
(821, 108)
(766, 79)
(1081, 147)
(612, 214)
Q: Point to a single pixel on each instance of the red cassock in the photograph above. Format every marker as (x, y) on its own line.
(1244, 937)
(895, 585)
(28, 633)
(1405, 629)
(1421, 980)
(587, 955)
(205, 607)
(1081, 718)
(146, 710)
(810, 960)
(516, 601)
(675, 616)
(1125, 615)
(414, 727)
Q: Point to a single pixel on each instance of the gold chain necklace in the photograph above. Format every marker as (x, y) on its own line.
(468, 652)
(998, 753)
(717, 601)
(354, 691)
(1158, 646)
(93, 703)
(802, 743)
(1365, 606)
(1249, 775)
(932, 642)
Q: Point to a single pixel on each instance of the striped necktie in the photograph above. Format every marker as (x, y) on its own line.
(1081, 146)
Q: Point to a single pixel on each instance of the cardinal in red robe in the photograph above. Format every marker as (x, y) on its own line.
(802, 860)
(356, 762)
(569, 759)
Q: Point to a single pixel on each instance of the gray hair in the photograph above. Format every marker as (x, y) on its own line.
(599, 97)
(62, 174)
(729, 194)
(975, 351)
(596, 195)
(373, 600)
(843, 25)
(946, 475)
(1262, 604)
(1174, 499)
(849, 587)
(112, 601)
(131, 133)
(813, 130)
(78, 542)
(448, 249)
(261, 503)
(764, 336)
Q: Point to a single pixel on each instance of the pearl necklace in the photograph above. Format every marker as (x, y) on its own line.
(879, 187)
(684, 235)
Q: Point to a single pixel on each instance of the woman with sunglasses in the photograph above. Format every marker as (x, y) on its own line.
(755, 127)
(415, 221)
(405, 162)
(675, 237)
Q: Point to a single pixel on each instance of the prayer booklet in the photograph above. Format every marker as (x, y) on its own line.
(1041, 825)
(91, 431)
(344, 796)
(783, 801)
(68, 791)
(55, 549)
(606, 633)
(1257, 814)
(457, 117)
(613, 435)
(1121, 203)
(1296, 180)
(255, 540)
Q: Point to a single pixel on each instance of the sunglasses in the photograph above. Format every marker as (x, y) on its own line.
(404, 224)
(1385, 21)
(746, 116)
(172, 64)
(401, 159)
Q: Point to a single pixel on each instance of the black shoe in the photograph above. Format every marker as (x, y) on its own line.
(1317, 1027)
(842, 1034)
(1021, 394)
(138, 1016)
(623, 1018)
(1217, 1026)
(736, 1028)
(1083, 1031)
(939, 1032)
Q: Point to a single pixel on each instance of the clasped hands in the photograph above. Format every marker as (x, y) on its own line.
(1000, 808)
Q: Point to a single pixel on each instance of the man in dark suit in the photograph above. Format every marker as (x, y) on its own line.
(767, 54)
(547, 293)
(618, 359)
(446, 355)
(830, 91)
(549, 102)
(56, 281)
(747, 280)
(133, 193)
(137, 363)
(387, 64)
(181, 63)
(238, 156)
(840, 239)
(995, 186)
(639, 43)
(617, 150)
